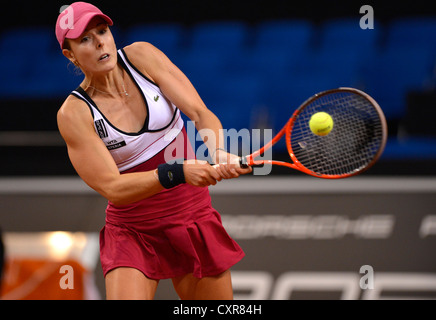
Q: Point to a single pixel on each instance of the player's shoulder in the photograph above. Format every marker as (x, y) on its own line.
(143, 54)
(147, 58)
(73, 108)
(140, 48)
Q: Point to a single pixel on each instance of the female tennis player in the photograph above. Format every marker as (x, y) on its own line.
(122, 126)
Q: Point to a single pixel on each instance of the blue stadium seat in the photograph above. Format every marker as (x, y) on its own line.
(295, 35)
(411, 32)
(277, 46)
(168, 37)
(200, 65)
(271, 63)
(223, 36)
(118, 35)
(19, 40)
(56, 76)
(343, 66)
(394, 72)
(22, 50)
(345, 33)
(311, 73)
(234, 98)
(212, 47)
(51, 77)
(412, 148)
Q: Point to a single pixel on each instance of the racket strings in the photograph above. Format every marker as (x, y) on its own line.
(352, 144)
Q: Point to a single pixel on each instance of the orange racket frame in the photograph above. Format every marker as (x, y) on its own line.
(249, 160)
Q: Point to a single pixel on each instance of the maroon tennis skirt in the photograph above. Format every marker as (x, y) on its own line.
(172, 233)
(193, 241)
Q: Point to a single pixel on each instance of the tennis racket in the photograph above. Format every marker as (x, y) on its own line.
(355, 143)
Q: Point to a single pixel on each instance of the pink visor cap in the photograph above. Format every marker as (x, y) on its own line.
(74, 19)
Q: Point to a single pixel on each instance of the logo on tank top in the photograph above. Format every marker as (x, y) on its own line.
(111, 144)
(114, 143)
(101, 128)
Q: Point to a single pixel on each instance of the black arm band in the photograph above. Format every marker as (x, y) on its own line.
(170, 175)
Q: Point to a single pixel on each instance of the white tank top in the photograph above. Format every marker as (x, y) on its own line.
(161, 127)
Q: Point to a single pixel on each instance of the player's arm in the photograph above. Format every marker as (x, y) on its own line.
(177, 87)
(95, 165)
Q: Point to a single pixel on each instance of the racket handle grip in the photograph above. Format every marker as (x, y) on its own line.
(243, 162)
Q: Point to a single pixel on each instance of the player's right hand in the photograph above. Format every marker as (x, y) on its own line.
(200, 173)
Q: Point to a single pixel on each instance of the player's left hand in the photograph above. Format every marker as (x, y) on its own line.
(228, 165)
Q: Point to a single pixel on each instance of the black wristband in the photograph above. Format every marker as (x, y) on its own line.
(170, 175)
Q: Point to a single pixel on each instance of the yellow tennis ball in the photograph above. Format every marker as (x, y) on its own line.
(321, 123)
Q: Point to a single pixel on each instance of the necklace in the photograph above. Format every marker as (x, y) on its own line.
(122, 92)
